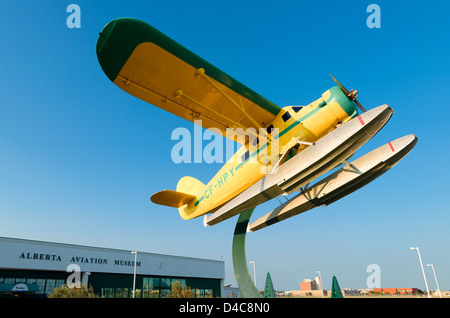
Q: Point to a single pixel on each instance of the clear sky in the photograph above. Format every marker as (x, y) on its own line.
(79, 158)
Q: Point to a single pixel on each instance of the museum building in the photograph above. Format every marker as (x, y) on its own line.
(33, 269)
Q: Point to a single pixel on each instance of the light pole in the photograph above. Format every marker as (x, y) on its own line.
(134, 274)
(423, 272)
(254, 271)
(321, 287)
(434, 273)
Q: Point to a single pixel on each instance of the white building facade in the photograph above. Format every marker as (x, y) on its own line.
(35, 268)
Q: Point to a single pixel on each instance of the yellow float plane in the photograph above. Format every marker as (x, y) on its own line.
(151, 66)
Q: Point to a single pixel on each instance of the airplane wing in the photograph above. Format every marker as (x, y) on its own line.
(150, 66)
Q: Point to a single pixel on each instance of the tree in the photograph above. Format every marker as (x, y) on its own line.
(67, 292)
(179, 291)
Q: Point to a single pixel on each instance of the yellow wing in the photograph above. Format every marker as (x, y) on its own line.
(149, 65)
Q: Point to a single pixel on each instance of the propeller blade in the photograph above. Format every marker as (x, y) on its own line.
(340, 85)
(359, 105)
(352, 96)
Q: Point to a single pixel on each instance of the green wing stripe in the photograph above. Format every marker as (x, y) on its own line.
(120, 37)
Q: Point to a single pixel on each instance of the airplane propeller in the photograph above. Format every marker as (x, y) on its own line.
(351, 95)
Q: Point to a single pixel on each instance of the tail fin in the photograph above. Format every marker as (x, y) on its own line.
(183, 198)
(191, 186)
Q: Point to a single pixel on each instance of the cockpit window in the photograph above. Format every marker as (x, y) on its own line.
(286, 116)
(245, 156)
(296, 108)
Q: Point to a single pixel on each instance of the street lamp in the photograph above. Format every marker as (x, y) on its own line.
(434, 273)
(134, 275)
(423, 272)
(321, 287)
(254, 271)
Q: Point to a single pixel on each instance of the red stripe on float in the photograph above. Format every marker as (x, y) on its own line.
(361, 120)
(392, 147)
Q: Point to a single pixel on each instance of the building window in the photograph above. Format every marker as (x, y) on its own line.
(59, 283)
(150, 293)
(208, 293)
(37, 286)
(50, 286)
(41, 284)
(165, 283)
(113, 286)
(182, 281)
(122, 293)
(107, 293)
(200, 293)
(163, 293)
(150, 287)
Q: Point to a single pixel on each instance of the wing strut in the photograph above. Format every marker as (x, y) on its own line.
(201, 73)
(179, 93)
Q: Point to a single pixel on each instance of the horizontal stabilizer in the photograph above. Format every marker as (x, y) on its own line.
(172, 198)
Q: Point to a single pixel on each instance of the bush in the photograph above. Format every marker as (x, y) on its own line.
(179, 291)
(67, 292)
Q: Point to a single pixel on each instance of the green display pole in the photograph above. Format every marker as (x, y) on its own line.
(246, 285)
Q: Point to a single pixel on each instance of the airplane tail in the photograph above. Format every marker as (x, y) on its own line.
(184, 198)
(194, 187)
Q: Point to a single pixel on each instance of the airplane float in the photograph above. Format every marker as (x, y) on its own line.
(310, 140)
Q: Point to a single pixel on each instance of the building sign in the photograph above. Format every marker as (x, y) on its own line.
(19, 288)
(88, 260)
(41, 257)
(77, 259)
(6, 288)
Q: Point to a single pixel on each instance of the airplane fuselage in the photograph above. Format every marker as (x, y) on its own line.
(295, 128)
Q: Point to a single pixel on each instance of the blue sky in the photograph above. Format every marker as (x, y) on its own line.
(79, 158)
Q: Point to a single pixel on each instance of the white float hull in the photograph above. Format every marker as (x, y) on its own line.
(339, 184)
(324, 155)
